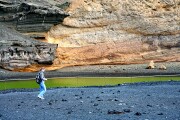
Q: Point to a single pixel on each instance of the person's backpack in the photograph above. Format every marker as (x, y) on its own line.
(38, 79)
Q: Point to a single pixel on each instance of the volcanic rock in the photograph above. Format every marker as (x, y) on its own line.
(151, 65)
(18, 51)
(29, 16)
(162, 67)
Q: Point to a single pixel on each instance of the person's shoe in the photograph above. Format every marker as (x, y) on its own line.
(42, 98)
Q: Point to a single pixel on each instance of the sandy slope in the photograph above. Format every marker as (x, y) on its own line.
(99, 70)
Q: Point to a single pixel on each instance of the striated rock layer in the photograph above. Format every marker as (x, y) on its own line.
(18, 51)
(88, 32)
(118, 32)
(31, 16)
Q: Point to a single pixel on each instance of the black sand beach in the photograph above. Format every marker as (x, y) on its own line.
(142, 101)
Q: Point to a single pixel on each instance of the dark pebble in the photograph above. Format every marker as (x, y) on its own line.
(115, 112)
(100, 100)
(88, 97)
(102, 92)
(19, 105)
(149, 105)
(80, 97)
(148, 95)
(116, 100)
(76, 95)
(138, 114)
(69, 112)
(35, 105)
(95, 104)
(49, 103)
(64, 100)
(22, 102)
(118, 91)
(97, 97)
(1, 115)
(160, 113)
(127, 110)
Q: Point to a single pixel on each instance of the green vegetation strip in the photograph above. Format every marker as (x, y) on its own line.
(83, 82)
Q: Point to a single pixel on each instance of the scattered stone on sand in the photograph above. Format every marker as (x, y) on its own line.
(49, 103)
(162, 67)
(69, 112)
(160, 113)
(149, 105)
(115, 112)
(150, 65)
(95, 104)
(138, 114)
(127, 110)
(133, 103)
(64, 100)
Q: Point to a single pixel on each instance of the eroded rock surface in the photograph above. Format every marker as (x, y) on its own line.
(118, 32)
(100, 31)
(31, 16)
(18, 51)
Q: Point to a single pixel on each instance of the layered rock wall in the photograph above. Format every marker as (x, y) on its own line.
(31, 17)
(90, 32)
(17, 51)
(118, 32)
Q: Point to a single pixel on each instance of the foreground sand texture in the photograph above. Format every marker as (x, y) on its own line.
(150, 101)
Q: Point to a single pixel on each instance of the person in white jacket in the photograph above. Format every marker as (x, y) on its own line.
(42, 83)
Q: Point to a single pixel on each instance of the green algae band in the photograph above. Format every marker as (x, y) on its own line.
(83, 82)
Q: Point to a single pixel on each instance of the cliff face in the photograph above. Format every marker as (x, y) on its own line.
(118, 32)
(31, 16)
(17, 51)
(27, 17)
(90, 32)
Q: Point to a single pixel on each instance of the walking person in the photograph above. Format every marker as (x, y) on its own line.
(42, 83)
